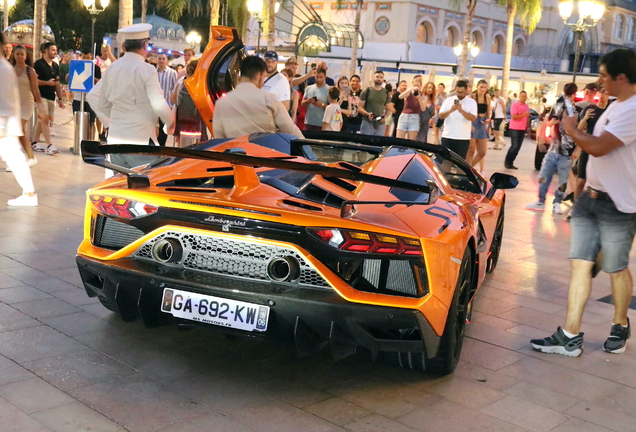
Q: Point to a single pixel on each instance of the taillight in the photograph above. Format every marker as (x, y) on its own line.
(121, 207)
(357, 241)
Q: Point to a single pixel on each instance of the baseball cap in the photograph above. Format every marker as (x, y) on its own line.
(271, 55)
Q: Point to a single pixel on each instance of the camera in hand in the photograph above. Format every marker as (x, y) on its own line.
(416, 93)
(313, 65)
(456, 101)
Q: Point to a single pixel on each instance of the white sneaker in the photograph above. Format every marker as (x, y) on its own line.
(24, 201)
(536, 206)
(8, 169)
(37, 148)
(51, 150)
(556, 208)
(32, 161)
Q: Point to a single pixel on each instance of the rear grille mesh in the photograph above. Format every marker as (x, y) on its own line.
(112, 234)
(232, 257)
(387, 276)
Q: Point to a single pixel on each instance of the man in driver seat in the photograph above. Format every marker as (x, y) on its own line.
(249, 109)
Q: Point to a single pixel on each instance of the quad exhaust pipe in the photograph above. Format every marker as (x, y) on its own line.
(167, 250)
(283, 269)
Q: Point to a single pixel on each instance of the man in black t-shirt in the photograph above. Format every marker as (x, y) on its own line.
(48, 73)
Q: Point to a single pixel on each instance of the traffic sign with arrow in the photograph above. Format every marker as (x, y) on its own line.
(81, 75)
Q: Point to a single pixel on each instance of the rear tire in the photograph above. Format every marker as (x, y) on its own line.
(452, 340)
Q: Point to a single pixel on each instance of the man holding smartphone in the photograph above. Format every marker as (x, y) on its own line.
(48, 73)
(458, 112)
(316, 100)
(559, 156)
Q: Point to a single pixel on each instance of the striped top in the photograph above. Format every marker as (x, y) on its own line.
(167, 80)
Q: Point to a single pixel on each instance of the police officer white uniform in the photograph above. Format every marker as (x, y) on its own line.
(129, 98)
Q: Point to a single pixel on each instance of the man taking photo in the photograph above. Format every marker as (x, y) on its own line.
(458, 112)
(604, 216)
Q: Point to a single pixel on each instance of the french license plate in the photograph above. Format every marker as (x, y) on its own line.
(215, 310)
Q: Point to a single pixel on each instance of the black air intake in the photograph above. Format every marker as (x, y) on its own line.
(112, 234)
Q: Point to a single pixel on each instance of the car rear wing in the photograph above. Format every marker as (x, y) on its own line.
(95, 154)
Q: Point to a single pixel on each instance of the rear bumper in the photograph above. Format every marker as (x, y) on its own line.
(312, 318)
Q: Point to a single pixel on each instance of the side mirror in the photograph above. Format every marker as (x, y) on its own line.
(504, 181)
(501, 181)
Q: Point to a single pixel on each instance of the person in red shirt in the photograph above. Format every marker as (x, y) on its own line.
(519, 113)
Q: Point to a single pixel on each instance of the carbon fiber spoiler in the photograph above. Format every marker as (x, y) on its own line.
(94, 153)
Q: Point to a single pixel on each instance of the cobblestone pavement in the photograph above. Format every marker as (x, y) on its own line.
(68, 364)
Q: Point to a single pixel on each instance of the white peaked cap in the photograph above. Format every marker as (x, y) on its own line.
(134, 32)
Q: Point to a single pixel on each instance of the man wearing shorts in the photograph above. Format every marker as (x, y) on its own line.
(604, 216)
(49, 83)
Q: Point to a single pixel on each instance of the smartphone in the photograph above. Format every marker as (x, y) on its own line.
(313, 65)
(416, 93)
(378, 118)
(568, 107)
(315, 98)
(456, 101)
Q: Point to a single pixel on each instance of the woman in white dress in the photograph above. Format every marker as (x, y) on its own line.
(29, 93)
(10, 131)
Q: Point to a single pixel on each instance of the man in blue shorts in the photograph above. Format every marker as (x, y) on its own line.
(604, 216)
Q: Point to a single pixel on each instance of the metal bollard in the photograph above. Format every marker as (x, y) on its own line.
(31, 125)
(81, 130)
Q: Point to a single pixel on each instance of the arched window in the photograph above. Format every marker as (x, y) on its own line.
(452, 36)
(180, 34)
(498, 45)
(170, 33)
(161, 32)
(631, 30)
(517, 48)
(618, 29)
(477, 39)
(425, 33)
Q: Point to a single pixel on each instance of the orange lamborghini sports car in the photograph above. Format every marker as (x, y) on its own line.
(333, 241)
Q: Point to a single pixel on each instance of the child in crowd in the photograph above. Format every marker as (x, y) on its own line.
(332, 119)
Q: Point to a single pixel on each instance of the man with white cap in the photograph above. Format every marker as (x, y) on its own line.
(129, 98)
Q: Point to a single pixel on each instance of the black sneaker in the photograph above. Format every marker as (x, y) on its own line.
(617, 340)
(559, 343)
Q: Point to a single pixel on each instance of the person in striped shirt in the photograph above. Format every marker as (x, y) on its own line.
(168, 81)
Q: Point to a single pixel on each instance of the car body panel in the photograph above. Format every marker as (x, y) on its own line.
(230, 222)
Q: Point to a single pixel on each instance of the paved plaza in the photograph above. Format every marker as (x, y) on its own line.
(68, 364)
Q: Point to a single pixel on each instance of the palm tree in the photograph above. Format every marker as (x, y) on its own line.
(238, 8)
(356, 36)
(468, 24)
(529, 12)
(125, 13)
(144, 9)
(271, 24)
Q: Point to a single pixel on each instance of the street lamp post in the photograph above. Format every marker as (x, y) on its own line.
(193, 38)
(255, 8)
(472, 48)
(590, 12)
(91, 6)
